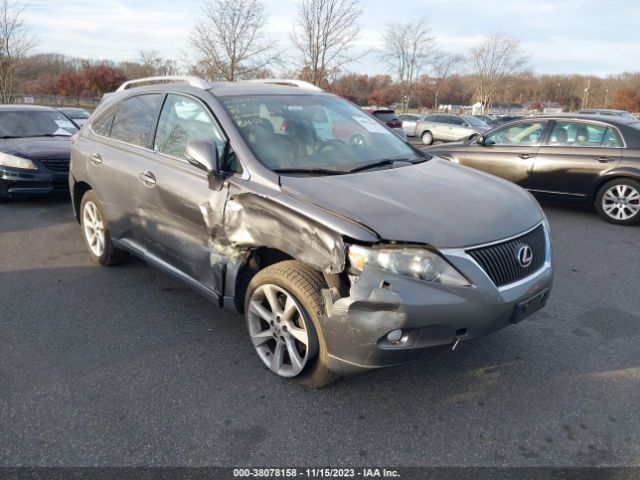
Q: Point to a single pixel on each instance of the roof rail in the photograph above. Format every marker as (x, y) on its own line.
(288, 82)
(192, 81)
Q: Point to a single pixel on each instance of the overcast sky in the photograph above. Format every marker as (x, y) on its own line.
(561, 36)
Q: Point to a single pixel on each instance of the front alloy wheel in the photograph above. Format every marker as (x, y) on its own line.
(283, 308)
(278, 330)
(619, 202)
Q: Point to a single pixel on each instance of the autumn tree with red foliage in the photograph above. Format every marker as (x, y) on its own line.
(70, 83)
(102, 78)
(627, 99)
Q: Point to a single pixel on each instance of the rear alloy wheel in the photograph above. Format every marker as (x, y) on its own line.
(96, 232)
(283, 308)
(427, 138)
(619, 201)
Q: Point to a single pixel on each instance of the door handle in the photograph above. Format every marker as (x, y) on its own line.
(96, 158)
(526, 156)
(605, 159)
(147, 178)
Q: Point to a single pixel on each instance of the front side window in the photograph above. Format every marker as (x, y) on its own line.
(135, 121)
(578, 134)
(35, 123)
(183, 120)
(313, 132)
(523, 133)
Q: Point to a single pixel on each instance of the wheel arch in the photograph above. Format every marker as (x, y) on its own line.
(79, 189)
(626, 173)
(261, 258)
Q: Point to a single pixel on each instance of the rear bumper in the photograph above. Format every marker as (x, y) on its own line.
(14, 182)
(428, 314)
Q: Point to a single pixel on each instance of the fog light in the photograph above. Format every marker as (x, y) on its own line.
(394, 336)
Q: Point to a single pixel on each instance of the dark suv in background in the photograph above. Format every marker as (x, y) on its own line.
(343, 256)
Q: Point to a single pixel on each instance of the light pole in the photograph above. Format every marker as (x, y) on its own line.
(606, 98)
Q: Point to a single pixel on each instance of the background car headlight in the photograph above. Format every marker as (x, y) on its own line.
(7, 160)
(412, 262)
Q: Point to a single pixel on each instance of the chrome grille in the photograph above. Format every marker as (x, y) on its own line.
(500, 261)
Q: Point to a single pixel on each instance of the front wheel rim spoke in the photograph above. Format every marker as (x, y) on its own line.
(272, 298)
(290, 308)
(260, 311)
(261, 338)
(297, 362)
(299, 334)
(278, 357)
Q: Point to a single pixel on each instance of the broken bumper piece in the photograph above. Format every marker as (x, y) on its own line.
(361, 330)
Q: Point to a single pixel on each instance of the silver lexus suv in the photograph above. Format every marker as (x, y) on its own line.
(345, 247)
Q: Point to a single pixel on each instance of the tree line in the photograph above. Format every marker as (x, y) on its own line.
(230, 42)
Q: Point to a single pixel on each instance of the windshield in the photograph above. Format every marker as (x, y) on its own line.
(475, 122)
(34, 123)
(314, 132)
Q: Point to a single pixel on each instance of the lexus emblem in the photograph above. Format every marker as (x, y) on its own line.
(525, 256)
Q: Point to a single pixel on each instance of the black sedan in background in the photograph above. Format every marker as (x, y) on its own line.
(34, 150)
(592, 158)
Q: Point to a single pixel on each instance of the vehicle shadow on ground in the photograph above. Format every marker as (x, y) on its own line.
(25, 213)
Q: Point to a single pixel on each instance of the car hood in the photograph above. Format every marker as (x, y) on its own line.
(37, 148)
(435, 202)
(459, 146)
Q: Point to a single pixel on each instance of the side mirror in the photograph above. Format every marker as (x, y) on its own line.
(480, 139)
(204, 155)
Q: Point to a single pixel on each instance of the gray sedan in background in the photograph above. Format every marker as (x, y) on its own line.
(448, 128)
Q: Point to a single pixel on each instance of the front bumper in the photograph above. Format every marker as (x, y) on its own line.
(17, 181)
(429, 314)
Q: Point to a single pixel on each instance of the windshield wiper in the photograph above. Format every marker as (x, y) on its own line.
(310, 171)
(52, 135)
(379, 163)
(4, 137)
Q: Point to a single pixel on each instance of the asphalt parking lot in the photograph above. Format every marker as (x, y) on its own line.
(123, 366)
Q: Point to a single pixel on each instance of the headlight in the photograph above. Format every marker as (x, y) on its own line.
(412, 262)
(7, 160)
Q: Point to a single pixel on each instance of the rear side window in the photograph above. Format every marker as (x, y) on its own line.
(135, 121)
(578, 134)
(183, 120)
(102, 126)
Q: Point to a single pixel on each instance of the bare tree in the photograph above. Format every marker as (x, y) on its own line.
(153, 64)
(443, 65)
(325, 34)
(408, 49)
(15, 43)
(230, 40)
(494, 61)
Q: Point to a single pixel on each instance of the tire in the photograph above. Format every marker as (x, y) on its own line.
(618, 201)
(288, 281)
(108, 254)
(427, 138)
